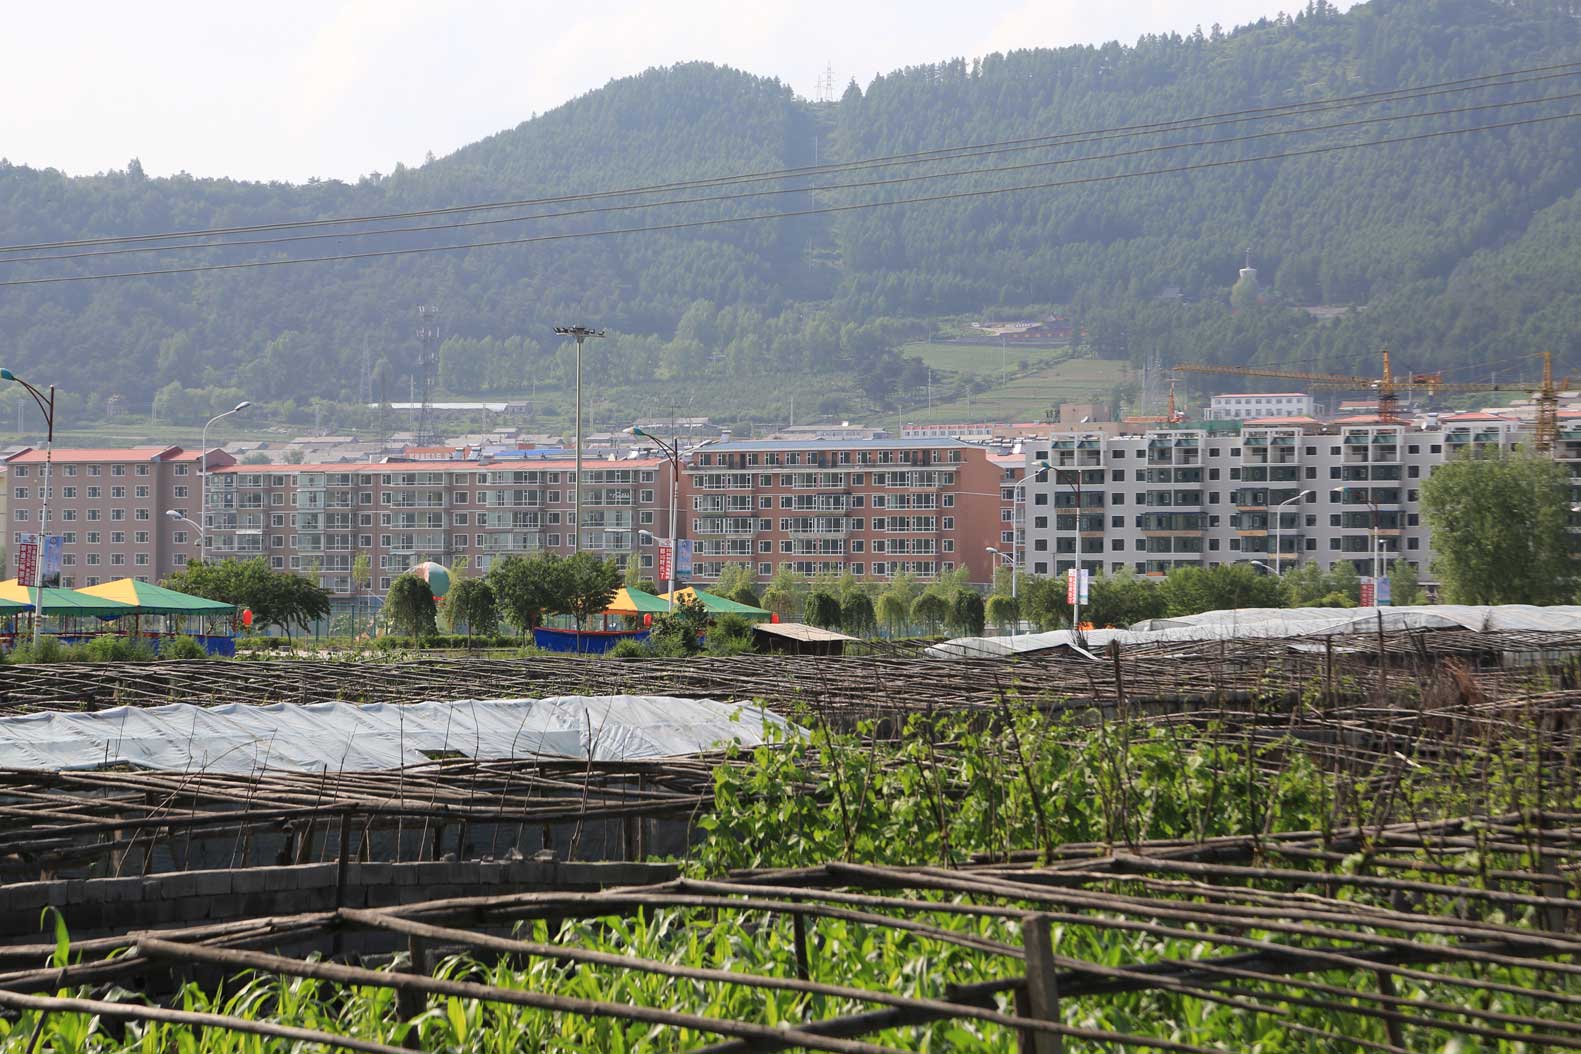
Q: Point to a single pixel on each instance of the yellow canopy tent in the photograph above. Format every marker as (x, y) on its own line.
(628, 601)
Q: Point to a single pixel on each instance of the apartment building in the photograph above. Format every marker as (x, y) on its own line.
(1278, 492)
(318, 518)
(874, 509)
(108, 507)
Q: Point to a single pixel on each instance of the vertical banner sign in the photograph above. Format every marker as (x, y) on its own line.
(664, 563)
(51, 557)
(1086, 576)
(1368, 593)
(1385, 592)
(683, 557)
(1071, 588)
(26, 558)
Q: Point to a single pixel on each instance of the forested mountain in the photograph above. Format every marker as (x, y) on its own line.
(1460, 251)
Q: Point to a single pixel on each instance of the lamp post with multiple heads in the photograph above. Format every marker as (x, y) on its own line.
(672, 450)
(203, 479)
(46, 406)
(579, 334)
(1278, 551)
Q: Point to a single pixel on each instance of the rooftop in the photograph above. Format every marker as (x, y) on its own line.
(839, 444)
(1262, 395)
(125, 454)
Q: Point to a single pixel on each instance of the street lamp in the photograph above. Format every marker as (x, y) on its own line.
(46, 406)
(1015, 533)
(1006, 557)
(203, 478)
(1278, 551)
(579, 334)
(672, 450)
(1376, 552)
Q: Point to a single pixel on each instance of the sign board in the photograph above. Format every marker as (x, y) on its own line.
(51, 556)
(1367, 593)
(1086, 577)
(683, 557)
(26, 558)
(1385, 593)
(664, 563)
(1071, 587)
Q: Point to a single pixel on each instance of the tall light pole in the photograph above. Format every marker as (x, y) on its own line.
(1372, 505)
(579, 334)
(672, 450)
(1278, 552)
(203, 479)
(46, 406)
(1015, 533)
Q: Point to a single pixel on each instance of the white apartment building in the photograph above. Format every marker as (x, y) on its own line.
(1275, 494)
(1248, 406)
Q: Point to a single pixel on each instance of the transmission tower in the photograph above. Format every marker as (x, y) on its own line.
(426, 374)
(825, 89)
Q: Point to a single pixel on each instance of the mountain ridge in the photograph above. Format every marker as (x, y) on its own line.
(1461, 248)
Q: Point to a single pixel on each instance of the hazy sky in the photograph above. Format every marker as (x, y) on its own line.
(339, 88)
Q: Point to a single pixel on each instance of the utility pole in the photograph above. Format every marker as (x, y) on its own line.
(579, 334)
(427, 373)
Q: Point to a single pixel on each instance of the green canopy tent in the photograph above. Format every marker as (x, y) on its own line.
(145, 598)
(715, 605)
(65, 603)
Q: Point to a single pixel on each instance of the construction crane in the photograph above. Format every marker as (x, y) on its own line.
(1387, 388)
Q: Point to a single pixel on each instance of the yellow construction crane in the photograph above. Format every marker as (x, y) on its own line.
(1387, 386)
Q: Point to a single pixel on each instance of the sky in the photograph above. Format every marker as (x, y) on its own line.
(297, 89)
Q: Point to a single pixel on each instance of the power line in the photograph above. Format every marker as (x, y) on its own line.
(717, 198)
(1480, 82)
(792, 214)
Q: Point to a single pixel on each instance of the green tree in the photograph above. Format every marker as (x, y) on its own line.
(1501, 529)
(1342, 581)
(633, 576)
(276, 598)
(785, 593)
(471, 604)
(527, 587)
(1405, 587)
(1304, 585)
(1003, 611)
(1043, 602)
(822, 609)
(1123, 600)
(410, 607)
(857, 615)
(930, 610)
(893, 611)
(966, 612)
(587, 585)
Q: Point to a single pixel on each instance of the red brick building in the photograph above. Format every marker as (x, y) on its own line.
(873, 508)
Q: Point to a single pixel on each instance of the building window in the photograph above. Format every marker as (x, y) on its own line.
(180, 492)
(142, 559)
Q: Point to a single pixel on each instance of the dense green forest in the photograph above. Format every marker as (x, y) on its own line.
(1459, 252)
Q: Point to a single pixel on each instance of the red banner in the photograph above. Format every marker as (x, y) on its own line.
(1367, 595)
(1071, 579)
(664, 563)
(26, 563)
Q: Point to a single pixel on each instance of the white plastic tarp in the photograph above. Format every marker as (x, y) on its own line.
(355, 737)
(1276, 623)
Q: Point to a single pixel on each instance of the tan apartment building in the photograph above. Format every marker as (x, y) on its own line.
(318, 518)
(108, 505)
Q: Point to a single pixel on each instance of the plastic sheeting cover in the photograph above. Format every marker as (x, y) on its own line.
(355, 737)
(1277, 623)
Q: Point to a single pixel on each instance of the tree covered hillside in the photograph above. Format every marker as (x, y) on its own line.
(1458, 251)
